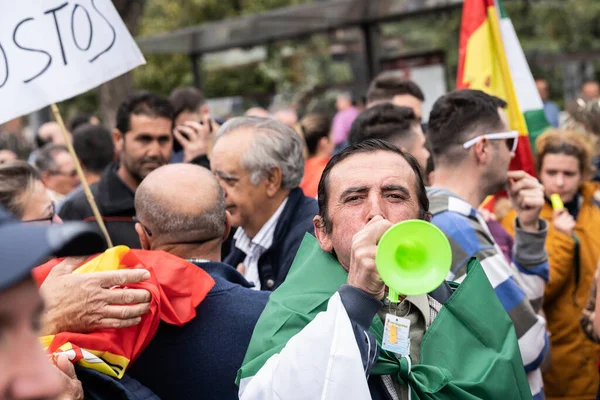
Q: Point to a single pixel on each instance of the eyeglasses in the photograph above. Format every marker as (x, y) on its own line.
(511, 142)
(70, 174)
(199, 241)
(49, 219)
(137, 221)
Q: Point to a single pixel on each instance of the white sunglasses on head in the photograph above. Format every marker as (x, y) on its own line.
(511, 144)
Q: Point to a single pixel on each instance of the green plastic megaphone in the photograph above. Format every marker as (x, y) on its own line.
(413, 258)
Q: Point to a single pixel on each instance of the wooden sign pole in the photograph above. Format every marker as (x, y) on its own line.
(84, 183)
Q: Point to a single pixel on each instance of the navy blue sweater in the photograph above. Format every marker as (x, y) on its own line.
(97, 386)
(296, 219)
(200, 359)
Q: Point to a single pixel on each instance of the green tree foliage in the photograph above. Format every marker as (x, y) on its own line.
(296, 68)
(165, 72)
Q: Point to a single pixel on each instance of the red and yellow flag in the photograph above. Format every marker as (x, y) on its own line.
(483, 65)
(176, 286)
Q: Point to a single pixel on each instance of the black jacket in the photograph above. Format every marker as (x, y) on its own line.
(115, 202)
(295, 220)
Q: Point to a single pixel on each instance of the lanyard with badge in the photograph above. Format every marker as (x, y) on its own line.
(396, 338)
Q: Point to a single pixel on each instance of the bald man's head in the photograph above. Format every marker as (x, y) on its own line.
(181, 203)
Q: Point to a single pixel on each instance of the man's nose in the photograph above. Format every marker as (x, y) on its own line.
(153, 148)
(375, 207)
(560, 180)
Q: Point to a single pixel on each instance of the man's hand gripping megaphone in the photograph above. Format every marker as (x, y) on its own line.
(362, 272)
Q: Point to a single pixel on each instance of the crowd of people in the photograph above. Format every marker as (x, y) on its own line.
(283, 214)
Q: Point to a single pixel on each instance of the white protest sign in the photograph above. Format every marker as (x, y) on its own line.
(52, 50)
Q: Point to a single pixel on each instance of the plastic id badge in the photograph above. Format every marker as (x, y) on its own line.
(395, 335)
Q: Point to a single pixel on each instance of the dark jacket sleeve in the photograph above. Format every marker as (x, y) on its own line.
(361, 308)
(302, 225)
(74, 209)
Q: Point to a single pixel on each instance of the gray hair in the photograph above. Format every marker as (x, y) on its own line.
(274, 145)
(45, 160)
(170, 223)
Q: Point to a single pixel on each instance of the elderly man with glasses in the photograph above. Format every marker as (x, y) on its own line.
(259, 164)
(472, 147)
(57, 169)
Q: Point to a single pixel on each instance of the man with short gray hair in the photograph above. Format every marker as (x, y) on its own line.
(259, 164)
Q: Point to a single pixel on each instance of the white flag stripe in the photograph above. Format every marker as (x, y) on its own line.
(527, 95)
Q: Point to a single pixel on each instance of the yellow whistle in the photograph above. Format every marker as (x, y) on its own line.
(557, 203)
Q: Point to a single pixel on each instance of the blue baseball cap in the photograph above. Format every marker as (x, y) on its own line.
(24, 246)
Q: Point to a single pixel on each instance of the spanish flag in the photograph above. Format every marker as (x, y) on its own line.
(176, 286)
(491, 59)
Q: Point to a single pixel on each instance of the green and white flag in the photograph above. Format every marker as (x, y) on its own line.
(303, 346)
(528, 96)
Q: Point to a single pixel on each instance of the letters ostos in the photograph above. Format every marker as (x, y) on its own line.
(79, 14)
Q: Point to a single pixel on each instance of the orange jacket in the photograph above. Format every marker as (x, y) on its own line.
(573, 372)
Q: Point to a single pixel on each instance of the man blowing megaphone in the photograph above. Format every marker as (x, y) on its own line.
(328, 333)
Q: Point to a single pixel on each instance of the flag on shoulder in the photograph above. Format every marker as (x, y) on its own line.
(176, 286)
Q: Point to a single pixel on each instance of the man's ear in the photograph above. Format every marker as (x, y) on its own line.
(428, 216)
(118, 140)
(274, 181)
(227, 226)
(144, 240)
(322, 236)
(45, 176)
(483, 151)
(431, 178)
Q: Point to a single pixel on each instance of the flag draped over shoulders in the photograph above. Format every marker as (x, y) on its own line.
(176, 286)
(472, 319)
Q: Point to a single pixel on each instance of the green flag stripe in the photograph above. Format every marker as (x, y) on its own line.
(503, 13)
(536, 125)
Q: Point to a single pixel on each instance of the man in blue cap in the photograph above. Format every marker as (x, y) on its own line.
(25, 372)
